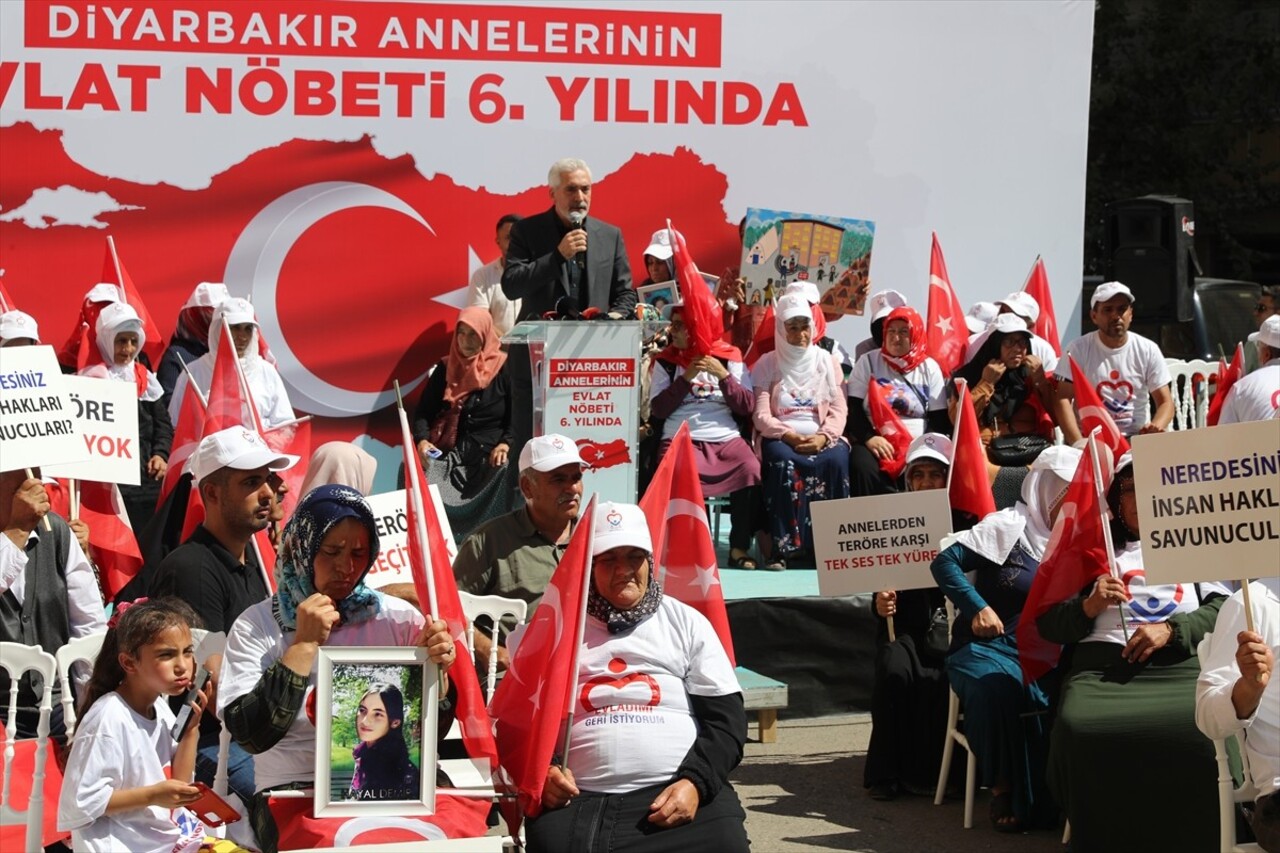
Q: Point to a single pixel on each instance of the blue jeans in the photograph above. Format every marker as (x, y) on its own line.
(239, 769)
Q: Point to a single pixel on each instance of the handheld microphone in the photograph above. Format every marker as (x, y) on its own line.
(576, 218)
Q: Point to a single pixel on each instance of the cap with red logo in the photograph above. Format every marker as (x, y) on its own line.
(620, 525)
(239, 448)
(549, 452)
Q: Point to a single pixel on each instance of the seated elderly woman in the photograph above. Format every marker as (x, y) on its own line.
(623, 786)
(270, 665)
(913, 387)
(909, 696)
(1013, 400)
(712, 393)
(799, 419)
(1004, 719)
(1134, 697)
(462, 426)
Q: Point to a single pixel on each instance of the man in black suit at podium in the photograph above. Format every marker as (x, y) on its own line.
(561, 261)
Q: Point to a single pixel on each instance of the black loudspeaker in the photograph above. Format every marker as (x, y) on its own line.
(1151, 248)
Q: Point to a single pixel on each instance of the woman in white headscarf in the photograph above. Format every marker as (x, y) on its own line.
(265, 384)
(191, 334)
(800, 418)
(119, 336)
(1003, 718)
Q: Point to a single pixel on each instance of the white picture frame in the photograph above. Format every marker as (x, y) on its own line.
(340, 723)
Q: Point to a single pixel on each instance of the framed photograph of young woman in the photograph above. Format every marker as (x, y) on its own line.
(659, 295)
(375, 732)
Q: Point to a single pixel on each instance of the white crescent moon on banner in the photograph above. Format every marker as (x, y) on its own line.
(253, 269)
(675, 507)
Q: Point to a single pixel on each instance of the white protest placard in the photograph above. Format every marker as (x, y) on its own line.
(882, 542)
(1209, 502)
(37, 418)
(106, 419)
(392, 522)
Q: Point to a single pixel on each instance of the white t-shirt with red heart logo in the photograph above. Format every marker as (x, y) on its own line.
(1124, 376)
(632, 722)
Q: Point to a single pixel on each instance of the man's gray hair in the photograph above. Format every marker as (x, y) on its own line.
(563, 165)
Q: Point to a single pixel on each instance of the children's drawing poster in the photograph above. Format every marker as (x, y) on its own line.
(831, 252)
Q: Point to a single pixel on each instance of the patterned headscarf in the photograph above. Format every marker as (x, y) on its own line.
(317, 513)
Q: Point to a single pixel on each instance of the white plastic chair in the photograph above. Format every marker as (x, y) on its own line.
(496, 608)
(1189, 384)
(955, 735)
(17, 659)
(77, 649)
(1228, 794)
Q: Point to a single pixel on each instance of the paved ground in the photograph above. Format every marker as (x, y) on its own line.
(804, 793)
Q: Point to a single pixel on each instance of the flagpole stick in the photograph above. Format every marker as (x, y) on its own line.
(47, 526)
(74, 488)
(893, 636)
(582, 627)
(115, 260)
(1248, 607)
(191, 384)
(1106, 523)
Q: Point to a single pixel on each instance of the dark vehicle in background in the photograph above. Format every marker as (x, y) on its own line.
(1221, 317)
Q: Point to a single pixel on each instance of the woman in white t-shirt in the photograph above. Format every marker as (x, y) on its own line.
(800, 419)
(270, 665)
(116, 794)
(711, 391)
(914, 390)
(660, 722)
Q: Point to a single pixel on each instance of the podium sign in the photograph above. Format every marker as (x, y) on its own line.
(589, 377)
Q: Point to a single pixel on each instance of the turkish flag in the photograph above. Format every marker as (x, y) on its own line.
(113, 272)
(187, 433)
(606, 455)
(81, 348)
(947, 334)
(23, 770)
(438, 596)
(115, 548)
(1075, 555)
(683, 554)
(890, 426)
(1227, 376)
(1037, 287)
(529, 707)
(702, 315)
(294, 438)
(1093, 414)
(229, 402)
(969, 489)
(6, 301)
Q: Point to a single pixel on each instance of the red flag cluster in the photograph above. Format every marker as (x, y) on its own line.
(1227, 376)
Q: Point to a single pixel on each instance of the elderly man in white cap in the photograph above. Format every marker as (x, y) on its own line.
(909, 695)
(265, 384)
(18, 329)
(1127, 369)
(648, 772)
(215, 570)
(514, 555)
(1256, 397)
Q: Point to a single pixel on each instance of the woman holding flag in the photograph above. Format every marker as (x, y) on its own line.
(896, 394)
(1004, 720)
(1128, 698)
(328, 546)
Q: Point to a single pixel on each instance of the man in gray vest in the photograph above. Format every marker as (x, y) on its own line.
(49, 592)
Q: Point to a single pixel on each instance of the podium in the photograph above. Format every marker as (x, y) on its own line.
(584, 384)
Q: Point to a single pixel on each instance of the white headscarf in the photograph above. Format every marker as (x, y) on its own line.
(804, 369)
(237, 311)
(1028, 521)
(116, 318)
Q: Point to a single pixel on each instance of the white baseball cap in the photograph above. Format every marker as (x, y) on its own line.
(236, 311)
(236, 447)
(881, 303)
(791, 305)
(207, 294)
(104, 292)
(619, 525)
(807, 289)
(931, 445)
(660, 245)
(549, 452)
(980, 315)
(1108, 290)
(1023, 304)
(17, 324)
(1268, 333)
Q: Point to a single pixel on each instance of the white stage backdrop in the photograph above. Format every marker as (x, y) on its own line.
(344, 162)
